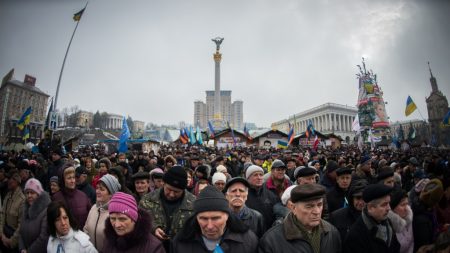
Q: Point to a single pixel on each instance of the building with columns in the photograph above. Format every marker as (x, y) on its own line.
(15, 98)
(113, 121)
(84, 119)
(327, 118)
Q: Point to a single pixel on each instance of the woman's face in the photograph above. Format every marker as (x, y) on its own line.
(62, 223)
(103, 196)
(70, 181)
(121, 223)
(31, 196)
(54, 187)
(402, 208)
(102, 170)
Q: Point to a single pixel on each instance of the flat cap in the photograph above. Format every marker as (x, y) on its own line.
(343, 171)
(235, 180)
(304, 172)
(141, 175)
(376, 191)
(307, 192)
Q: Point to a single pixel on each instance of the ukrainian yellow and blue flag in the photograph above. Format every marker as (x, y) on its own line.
(446, 120)
(25, 119)
(410, 106)
(77, 16)
(26, 134)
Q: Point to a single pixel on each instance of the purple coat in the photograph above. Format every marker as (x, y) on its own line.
(77, 202)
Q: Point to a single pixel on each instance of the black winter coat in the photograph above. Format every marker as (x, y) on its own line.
(336, 198)
(253, 219)
(361, 239)
(237, 238)
(343, 219)
(263, 200)
(287, 238)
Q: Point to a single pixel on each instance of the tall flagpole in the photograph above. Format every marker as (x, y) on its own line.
(64, 61)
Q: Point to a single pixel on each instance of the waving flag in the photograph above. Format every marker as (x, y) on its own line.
(183, 137)
(26, 134)
(446, 120)
(247, 133)
(192, 136)
(25, 119)
(355, 125)
(124, 135)
(316, 143)
(310, 129)
(199, 136)
(291, 133)
(410, 106)
(232, 133)
(77, 16)
(211, 130)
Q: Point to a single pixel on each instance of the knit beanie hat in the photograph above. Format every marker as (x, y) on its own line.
(211, 199)
(218, 176)
(125, 204)
(221, 168)
(396, 197)
(432, 193)
(54, 179)
(34, 185)
(111, 183)
(176, 177)
(252, 169)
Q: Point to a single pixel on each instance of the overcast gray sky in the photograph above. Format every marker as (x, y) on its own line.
(152, 59)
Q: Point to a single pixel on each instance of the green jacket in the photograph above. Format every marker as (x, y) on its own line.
(151, 202)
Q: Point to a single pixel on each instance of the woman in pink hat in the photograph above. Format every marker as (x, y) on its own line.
(129, 228)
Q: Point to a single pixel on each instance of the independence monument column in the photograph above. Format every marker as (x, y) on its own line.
(217, 59)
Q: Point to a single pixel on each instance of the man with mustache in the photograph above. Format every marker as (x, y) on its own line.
(373, 231)
(236, 192)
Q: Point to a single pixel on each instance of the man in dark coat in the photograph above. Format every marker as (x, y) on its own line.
(344, 218)
(212, 228)
(261, 198)
(81, 174)
(236, 192)
(373, 231)
(337, 196)
(303, 230)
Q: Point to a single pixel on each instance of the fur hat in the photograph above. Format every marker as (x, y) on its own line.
(432, 193)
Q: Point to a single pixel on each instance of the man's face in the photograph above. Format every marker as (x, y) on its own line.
(366, 166)
(358, 202)
(172, 193)
(212, 224)
(159, 183)
(194, 163)
(122, 158)
(55, 157)
(237, 195)
(278, 173)
(256, 179)
(290, 165)
(389, 181)
(81, 178)
(379, 211)
(317, 166)
(344, 181)
(141, 185)
(308, 213)
(307, 180)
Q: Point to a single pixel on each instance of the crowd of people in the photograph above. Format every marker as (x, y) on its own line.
(242, 199)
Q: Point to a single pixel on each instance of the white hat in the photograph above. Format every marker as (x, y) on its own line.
(219, 176)
(252, 169)
(221, 168)
(287, 194)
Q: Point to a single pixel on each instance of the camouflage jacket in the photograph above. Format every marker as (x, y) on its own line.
(152, 203)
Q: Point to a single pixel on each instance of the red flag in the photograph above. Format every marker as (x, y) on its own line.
(316, 143)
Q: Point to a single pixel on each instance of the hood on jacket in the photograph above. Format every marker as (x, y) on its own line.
(39, 205)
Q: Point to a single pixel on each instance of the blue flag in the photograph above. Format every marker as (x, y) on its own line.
(446, 120)
(25, 119)
(124, 135)
(211, 130)
(199, 136)
(192, 136)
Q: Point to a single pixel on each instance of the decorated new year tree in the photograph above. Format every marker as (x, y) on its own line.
(373, 119)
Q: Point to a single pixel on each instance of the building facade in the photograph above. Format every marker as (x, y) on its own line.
(84, 119)
(138, 126)
(437, 106)
(113, 121)
(413, 130)
(327, 118)
(15, 98)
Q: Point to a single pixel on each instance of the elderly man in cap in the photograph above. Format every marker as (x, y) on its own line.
(141, 181)
(305, 175)
(303, 230)
(337, 196)
(261, 198)
(408, 173)
(373, 231)
(345, 217)
(236, 192)
(364, 170)
(169, 206)
(213, 229)
(277, 182)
